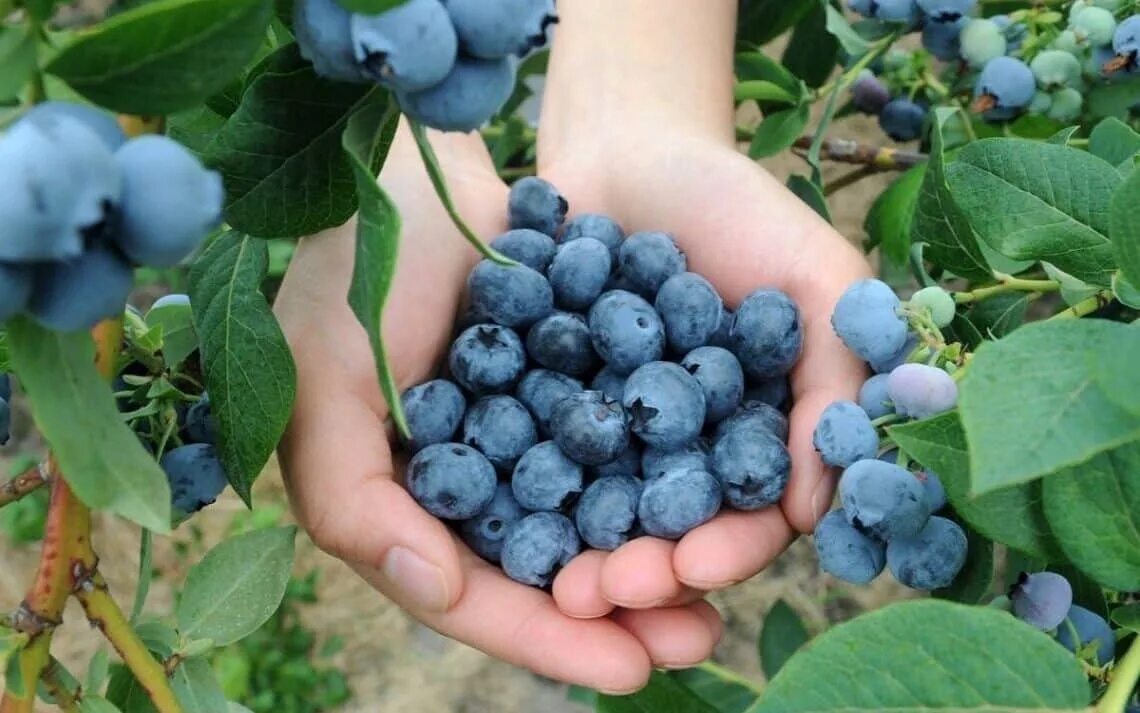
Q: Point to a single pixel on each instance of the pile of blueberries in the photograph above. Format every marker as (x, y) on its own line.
(1045, 600)
(81, 206)
(1011, 70)
(683, 412)
(450, 63)
(886, 516)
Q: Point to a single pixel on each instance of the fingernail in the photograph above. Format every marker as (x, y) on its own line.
(419, 580)
(820, 505)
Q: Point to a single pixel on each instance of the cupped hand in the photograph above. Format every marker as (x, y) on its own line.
(344, 477)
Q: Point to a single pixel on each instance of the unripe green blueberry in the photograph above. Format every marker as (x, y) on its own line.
(1066, 42)
(981, 41)
(938, 301)
(1110, 5)
(1077, 8)
(1094, 26)
(1054, 69)
(1041, 103)
(1066, 105)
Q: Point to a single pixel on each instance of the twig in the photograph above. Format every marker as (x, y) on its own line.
(24, 484)
(1087, 306)
(1124, 676)
(849, 179)
(1007, 283)
(881, 158)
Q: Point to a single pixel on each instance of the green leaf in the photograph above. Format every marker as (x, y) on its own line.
(1114, 369)
(762, 90)
(809, 193)
(158, 636)
(1073, 291)
(195, 128)
(999, 315)
(778, 131)
(1127, 616)
(662, 695)
(165, 56)
(757, 66)
(941, 224)
(891, 215)
(724, 694)
(974, 582)
(196, 687)
(237, 586)
(370, 7)
(96, 704)
(1012, 516)
(1030, 200)
(1062, 137)
(11, 642)
(125, 691)
(1125, 228)
(764, 20)
(179, 340)
(783, 633)
(251, 406)
(1030, 405)
(17, 60)
(280, 153)
(1094, 510)
(851, 41)
(97, 669)
(812, 50)
(1122, 289)
(1113, 99)
(909, 658)
(1114, 141)
(99, 456)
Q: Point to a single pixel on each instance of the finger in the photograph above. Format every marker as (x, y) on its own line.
(678, 637)
(730, 548)
(639, 574)
(578, 590)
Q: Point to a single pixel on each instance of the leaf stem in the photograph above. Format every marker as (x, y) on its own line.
(1086, 307)
(24, 484)
(726, 674)
(1006, 284)
(1124, 677)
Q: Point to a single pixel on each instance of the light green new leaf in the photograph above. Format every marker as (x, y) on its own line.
(196, 687)
(179, 339)
(851, 41)
(1125, 227)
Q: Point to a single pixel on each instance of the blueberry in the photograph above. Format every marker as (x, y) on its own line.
(1005, 84)
(1041, 599)
(776, 392)
(766, 334)
(648, 259)
(883, 500)
(935, 492)
(894, 361)
(537, 546)
(434, 411)
(579, 271)
(873, 397)
(753, 467)
(626, 331)
(590, 428)
(484, 533)
(930, 559)
(692, 456)
(846, 553)
(902, 119)
(546, 479)
(921, 391)
(690, 309)
(451, 480)
(1088, 627)
(1126, 39)
(755, 414)
(467, 98)
(627, 464)
(322, 31)
(945, 11)
(487, 359)
(943, 39)
(721, 379)
(609, 383)
(530, 247)
(5, 421)
(200, 426)
(536, 204)
(599, 227)
(1094, 26)
(512, 295)
(500, 428)
(170, 201)
(720, 338)
(499, 29)
(561, 342)
(15, 289)
(896, 11)
(540, 390)
(666, 405)
(78, 293)
(409, 48)
(982, 40)
(937, 301)
(866, 8)
(677, 502)
(1054, 69)
(1015, 32)
(103, 123)
(607, 513)
(844, 434)
(869, 94)
(6, 387)
(867, 319)
(195, 475)
(1066, 105)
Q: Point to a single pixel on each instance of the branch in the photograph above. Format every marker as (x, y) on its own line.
(23, 484)
(67, 700)
(1087, 306)
(881, 158)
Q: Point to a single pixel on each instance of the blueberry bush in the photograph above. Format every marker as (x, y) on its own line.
(596, 390)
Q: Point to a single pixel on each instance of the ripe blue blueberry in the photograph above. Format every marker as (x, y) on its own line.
(648, 259)
(627, 464)
(755, 414)
(867, 319)
(6, 387)
(200, 426)
(101, 122)
(1126, 40)
(540, 390)
(1041, 599)
(692, 456)
(546, 479)
(561, 342)
(873, 397)
(921, 391)
(537, 546)
(902, 119)
(467, 98)
(609, 383)
(1087, 627)
(433, 411)
(15, 289)
(170, 201)
(894, 361)
(500, 428)
(943, 39)
(487, 359)
(596, 226)
(776, 392)
(721, 378)
(677, 502)
(5, 422)
(530, 247)
(409, 48)
(944, 11)
(931, 483)
(1005, 85)
(607, 513)
(869, 94)
(484, 533)
(846, 553)
(579, 271)
(844, 434)
(883, 500)
(626, 331)
(590, 428)
(499, 29)
(78, 293)
(767, 335)
(536, 204)
(691, 310)
(512, 295)
(666, 405)
(451, 481)
(720, 338)
(753, 467)
(195, 475)
(930, 559)
(322, 31)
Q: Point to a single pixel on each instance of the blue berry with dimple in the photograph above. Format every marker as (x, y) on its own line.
(590, 428)
(561, 342)
(452, 481)
(536, 204)
(930, 559)
(502, 28)
(546, 479)
(599, 227)
(511, 295)
(607, 513)
(1007, 84)
(578, 272)
(500, 428)
(666, 405)
(867, 319)
(844, 434)
(1041, 599)
(484, 533)
(627, 464)
(487, 359)
(873, 397)
(656, 462)
(767, 335)
(883, 500)
(467, 98)
(846, 553)
(648, 259)
(721, 378)
(433, 411)
(530, 247)
(1126, 39)
(677, 502)
(753, 467)
(200, 426)
(540, 390)
(902, 119)
(195, 475)
(408, 48)
(691, 310)
(626, 331)
(944, 11)
(942, 39)
(1089, 627)
(609, 383)
(322, 29)
(755, 414)
(537, 546)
